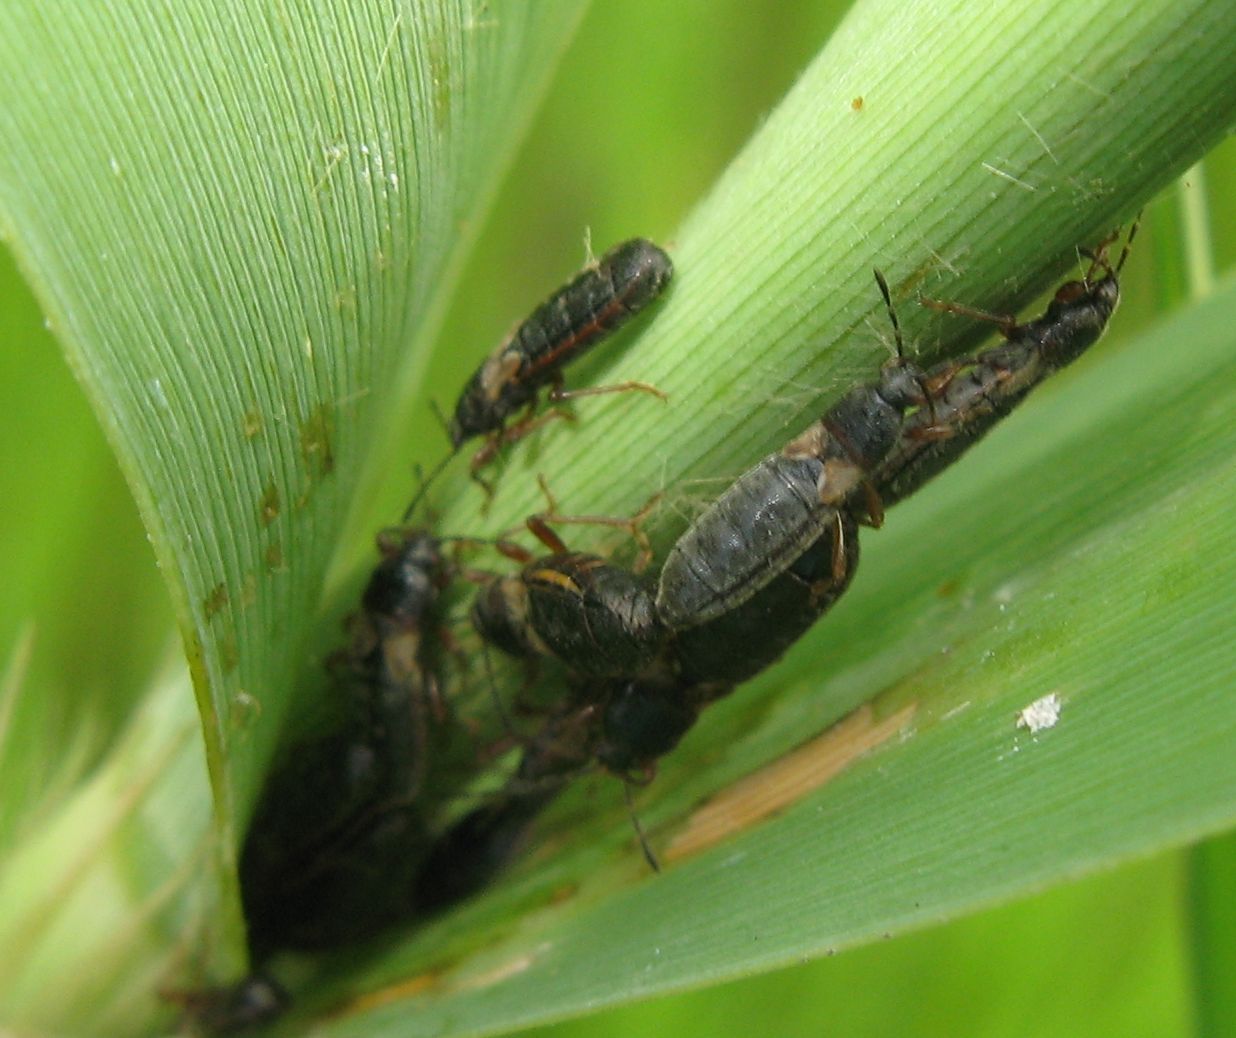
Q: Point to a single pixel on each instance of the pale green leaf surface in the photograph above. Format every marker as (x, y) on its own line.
(69, 538)
(1098, 956)
(96, 892)
(240, 225)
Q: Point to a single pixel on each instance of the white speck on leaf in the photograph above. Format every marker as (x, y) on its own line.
(1040, 715)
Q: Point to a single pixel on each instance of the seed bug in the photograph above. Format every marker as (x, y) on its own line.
(336, 835)
(752, 633)
(599, 619)
(385, 657)
(598, 301)
(968, 397)
(784, 504)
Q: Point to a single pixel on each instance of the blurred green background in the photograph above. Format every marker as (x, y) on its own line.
(1107, 955)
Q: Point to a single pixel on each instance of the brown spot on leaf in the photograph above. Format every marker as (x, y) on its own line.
(317, 434)
(229, 657)
(268, 510)
(216, 598)
(251, 423)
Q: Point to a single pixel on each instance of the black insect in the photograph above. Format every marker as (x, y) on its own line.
(968, 397)
(483, 842)
(337, 837)
(787, 503)
(333, 846)
(644, 718)
(758, 628)
(636, 687)
(470, 853)
(599, 619)
(598, 301)
(620, 710)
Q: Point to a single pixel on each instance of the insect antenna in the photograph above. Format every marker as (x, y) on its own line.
(928, 396)
(1098, 256)
(504, 716)
(892, 313)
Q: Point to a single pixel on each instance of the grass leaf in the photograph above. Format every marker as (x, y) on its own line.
(243, 227)
(242, 224)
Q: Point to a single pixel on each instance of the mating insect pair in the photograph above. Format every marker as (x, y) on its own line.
(758, 567)
(754, 571)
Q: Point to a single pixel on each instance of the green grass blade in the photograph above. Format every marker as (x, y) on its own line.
(972, 180)
(97, 903)
(243, 223)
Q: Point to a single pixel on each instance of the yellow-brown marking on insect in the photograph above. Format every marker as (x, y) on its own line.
(552, 576)
(785, 781)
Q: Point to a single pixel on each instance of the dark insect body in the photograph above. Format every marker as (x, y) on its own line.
(738, 643)
(623, 725)
(786, 503)
(250, 1003)
(333, 845)
(473, 851)
(598, 301)
(336, 840)
(968, 397)
(645, 718)
(598, 619)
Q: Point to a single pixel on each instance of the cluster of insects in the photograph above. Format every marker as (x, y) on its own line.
(346, 840)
